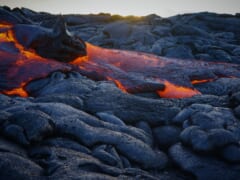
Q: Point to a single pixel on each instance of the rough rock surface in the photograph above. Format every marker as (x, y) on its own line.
(76, 128)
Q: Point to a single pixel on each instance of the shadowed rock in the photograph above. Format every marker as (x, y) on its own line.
(57, 43)
(231, 153)
(132, 148)
(166, 135)
(130, 109)
(202, 167)
(36, 124)
(22, 168)
(7, 16)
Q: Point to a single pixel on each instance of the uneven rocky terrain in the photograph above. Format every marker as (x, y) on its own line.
(72, 127)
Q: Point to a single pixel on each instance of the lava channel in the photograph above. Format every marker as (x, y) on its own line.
(132, 72)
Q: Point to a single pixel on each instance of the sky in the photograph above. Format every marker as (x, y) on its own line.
(163, 8)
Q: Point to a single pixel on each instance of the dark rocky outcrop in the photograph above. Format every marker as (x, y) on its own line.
(55, 43)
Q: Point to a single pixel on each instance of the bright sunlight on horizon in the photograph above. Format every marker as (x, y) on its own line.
(131, 7)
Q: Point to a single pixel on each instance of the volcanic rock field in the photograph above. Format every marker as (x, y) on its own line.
(96, 120)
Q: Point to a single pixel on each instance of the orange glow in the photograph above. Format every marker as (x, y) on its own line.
(26, 60)
(118, 84)
(128, 60)
(6, 25)
(9, 36)
(80, 60)
(173, 91)
(201, 81)
(17, 91)
(29, 54)
(127, 69)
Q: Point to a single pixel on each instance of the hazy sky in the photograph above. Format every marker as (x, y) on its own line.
(127, 7)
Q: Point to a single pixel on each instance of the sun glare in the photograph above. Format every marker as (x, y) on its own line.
(132, 7)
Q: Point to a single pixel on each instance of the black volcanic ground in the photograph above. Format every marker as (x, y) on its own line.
(77, 128)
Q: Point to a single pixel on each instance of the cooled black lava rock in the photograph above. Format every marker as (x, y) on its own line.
(231, 153)
(182, 52)
(57, 43)
(34, 123)
(166, 135)
(16, 133)
(17, 167)
(202, 167)
(66, 143)
(60, 87)
(7, 15)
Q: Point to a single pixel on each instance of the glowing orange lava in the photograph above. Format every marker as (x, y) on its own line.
(5, 25)
(173, 91)
(80, 60)
(118, 84)
(130, 71)
(201, 81)
(22, 66)
(17, 91)
(135, 60)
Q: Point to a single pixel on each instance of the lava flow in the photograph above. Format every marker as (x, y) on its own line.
(132, 72)
(18, 65)
(177, 76)
(117, 65)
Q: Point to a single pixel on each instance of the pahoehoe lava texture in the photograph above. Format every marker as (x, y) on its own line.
(77, 128)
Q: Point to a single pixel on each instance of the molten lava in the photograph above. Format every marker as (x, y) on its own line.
(126, 62)
(173, 91)
(118, 84)
(201, 81)
(132, 72)
(118, 65)
(17, 91)
(18, 65)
